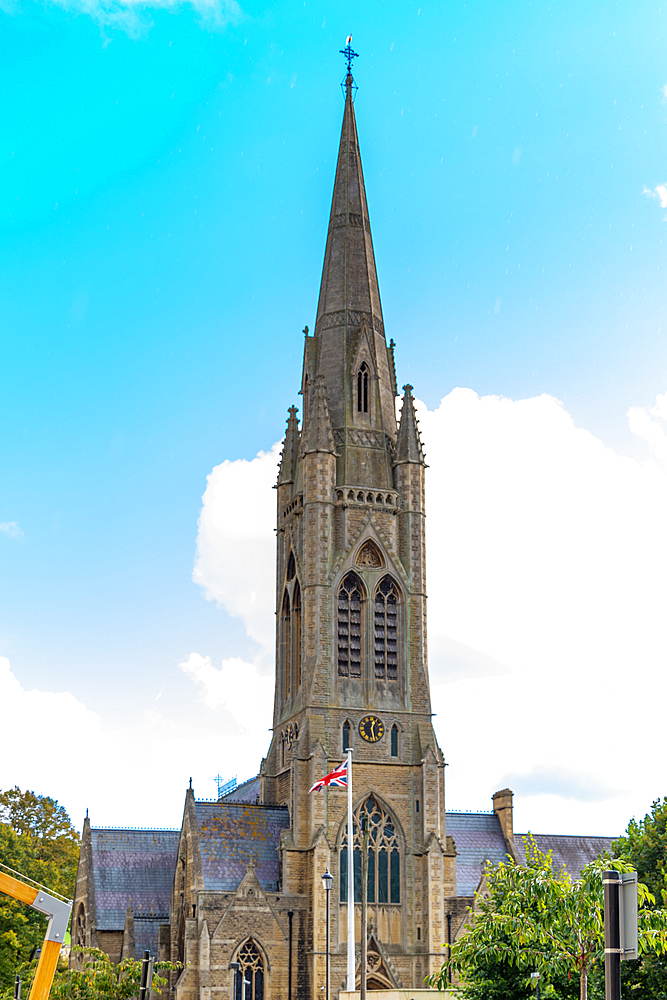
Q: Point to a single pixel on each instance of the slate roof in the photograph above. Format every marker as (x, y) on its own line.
(231, 834)
(248, 791)
(138, 864)
(478, 838)
(570, 853)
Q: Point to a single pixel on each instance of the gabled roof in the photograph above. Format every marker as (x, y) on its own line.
(137, 865)
(233, 834)
(478, 838)
(570, 853)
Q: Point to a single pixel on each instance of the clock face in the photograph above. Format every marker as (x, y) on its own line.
(371, 728)
(290, 734)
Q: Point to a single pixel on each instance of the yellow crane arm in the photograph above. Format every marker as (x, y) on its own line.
(58, 911)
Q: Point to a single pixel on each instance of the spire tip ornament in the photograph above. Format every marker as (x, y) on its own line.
(348, 83)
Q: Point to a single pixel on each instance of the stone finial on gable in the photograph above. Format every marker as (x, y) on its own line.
(318, 434)
(287, 472)
(408, 443)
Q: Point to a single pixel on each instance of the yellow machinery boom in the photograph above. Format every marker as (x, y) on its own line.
(58, 911)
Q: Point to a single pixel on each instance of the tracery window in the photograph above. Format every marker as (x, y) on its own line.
(384, 859)
(250, 977)
(349, 626)
(362, 389)
(386, 615)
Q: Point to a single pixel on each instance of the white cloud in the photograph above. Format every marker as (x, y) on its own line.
(133, 16)
(660, 192)
(235, 687)
(236, 543)
(11, 528)
(135, 773)
(644, 423)
(546, 555)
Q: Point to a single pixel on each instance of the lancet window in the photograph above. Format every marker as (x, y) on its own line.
(291, 640)
(362, 389)
(386, 623)
(80, 933)
(349, 626)
(394, 740)
(249, 983)
(384, 858)
(296, 634)
(286, 644)
(346, 735)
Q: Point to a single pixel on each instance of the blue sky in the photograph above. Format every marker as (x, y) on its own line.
(165, 178)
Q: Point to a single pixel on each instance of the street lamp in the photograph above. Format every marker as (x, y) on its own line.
(327, 882)
(536, 977)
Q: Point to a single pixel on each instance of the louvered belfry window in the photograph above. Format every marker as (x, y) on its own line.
(386, 615)
(349, 627)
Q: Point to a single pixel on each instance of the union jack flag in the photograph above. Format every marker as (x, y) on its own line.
(338, 777)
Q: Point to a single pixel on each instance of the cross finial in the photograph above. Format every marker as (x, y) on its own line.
(349, 53)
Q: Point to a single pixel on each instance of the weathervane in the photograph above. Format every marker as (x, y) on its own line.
(349, 53)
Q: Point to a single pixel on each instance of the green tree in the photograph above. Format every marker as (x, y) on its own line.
(644, 845)
(97, 978)
(532, 919)
(37, 840)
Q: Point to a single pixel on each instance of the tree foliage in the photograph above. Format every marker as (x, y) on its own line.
(529, 918)
(38, 840)
(645, 847)
(96, 979)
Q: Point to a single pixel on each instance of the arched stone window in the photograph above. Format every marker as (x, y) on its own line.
(80, 930)
(394, 740)
(386, 623)
(349, 626)
(250, 977)
(384, 859)
(296, 634)
(286, 644)
(362, 389)
(291, 567)
(347, 731)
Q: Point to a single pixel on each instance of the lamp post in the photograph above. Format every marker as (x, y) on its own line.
(327, 882)
(536, 977)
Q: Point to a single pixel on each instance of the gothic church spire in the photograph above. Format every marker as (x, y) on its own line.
(349, 329)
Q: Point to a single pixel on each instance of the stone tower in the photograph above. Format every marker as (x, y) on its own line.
(351, 666)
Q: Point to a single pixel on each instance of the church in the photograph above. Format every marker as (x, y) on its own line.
(241, 881)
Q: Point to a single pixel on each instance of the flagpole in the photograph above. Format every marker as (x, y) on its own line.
(351, 963)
